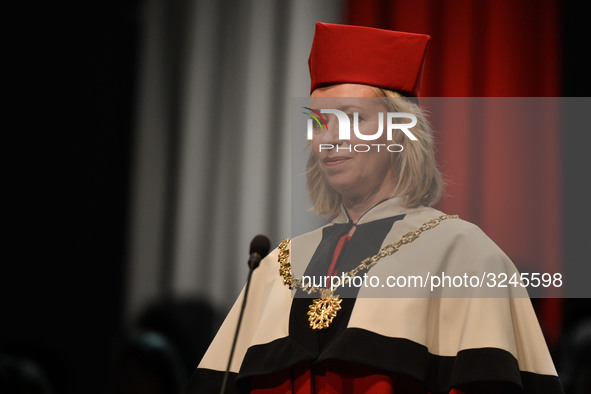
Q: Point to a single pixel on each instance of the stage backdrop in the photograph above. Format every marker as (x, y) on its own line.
(210, 164)
(211, 155)
(492, 48)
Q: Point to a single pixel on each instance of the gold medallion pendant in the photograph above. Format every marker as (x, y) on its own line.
(323, 311)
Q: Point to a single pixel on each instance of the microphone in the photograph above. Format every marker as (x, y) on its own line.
(259, 249)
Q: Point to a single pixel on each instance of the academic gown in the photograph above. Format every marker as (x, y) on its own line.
(426, 341)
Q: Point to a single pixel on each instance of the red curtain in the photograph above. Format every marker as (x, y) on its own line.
(509, 185)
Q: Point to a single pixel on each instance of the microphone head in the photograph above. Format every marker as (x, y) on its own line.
(260, 245)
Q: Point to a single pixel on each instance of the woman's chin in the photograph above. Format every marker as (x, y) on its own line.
(342, 186)
(348, 191)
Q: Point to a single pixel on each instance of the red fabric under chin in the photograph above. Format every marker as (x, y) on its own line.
(335, 257)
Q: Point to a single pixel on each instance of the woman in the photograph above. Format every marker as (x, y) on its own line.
(335, 337)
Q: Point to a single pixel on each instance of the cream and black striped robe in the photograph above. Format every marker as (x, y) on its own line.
(442, 338)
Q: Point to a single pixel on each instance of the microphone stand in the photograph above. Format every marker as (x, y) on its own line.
(253, 263)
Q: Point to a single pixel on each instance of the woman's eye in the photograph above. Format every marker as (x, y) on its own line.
(354, 116)
(319, 123)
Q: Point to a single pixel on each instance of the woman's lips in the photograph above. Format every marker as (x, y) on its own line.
(335, 161)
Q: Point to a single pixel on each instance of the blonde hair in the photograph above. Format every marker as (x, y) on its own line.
(418, 178)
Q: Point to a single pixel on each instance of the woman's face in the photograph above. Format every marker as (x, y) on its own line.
(354, 174)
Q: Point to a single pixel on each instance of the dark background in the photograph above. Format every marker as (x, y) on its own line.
(70, 127)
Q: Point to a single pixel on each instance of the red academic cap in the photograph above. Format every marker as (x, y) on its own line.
(364, 55)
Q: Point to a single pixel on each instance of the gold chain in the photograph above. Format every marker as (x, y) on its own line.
(323, 310)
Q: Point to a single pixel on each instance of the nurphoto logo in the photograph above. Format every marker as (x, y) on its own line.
(318, 124)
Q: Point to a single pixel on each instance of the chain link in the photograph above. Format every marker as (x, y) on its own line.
(366, 264)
